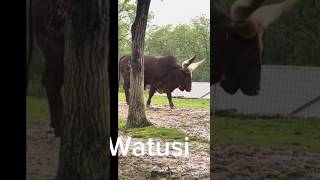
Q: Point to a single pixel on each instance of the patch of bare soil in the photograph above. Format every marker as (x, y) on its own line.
(247, 162)
(42, 152)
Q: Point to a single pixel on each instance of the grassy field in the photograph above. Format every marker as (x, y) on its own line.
(277, 132)
(178, 102)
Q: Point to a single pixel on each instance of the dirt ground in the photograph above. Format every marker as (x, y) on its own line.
(229, 161)
(191, 121)
(195, 166)
(194, 122)
(42, 152)
(245, 162)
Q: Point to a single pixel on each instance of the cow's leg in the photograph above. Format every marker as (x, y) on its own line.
(52, 81)
(151, 93)
(126, 87)
(169, 96)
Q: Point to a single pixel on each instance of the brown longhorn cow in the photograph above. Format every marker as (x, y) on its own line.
(162, 73)
(237, 43)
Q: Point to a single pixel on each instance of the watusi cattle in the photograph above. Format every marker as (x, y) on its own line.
(237, 42)
(162, 73)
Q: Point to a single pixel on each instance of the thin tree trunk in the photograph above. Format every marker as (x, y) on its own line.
(29, 44)
(84, 151)
(137, 116)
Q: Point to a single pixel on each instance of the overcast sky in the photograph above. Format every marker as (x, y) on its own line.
(178, 11)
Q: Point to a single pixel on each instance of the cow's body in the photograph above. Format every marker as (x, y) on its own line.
(162, 73)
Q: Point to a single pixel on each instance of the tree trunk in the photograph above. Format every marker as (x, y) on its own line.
(137, 116)
(29, 38)
(84, 150)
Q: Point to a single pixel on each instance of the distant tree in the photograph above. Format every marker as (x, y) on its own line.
(126, 16)
(183, 41)
(127, 12)
(137, 116)
(84, 150)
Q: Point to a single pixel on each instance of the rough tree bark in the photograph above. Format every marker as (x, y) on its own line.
(84, 151)
(137, 116)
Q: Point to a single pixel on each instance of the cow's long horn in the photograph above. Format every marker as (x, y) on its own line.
(193, 66)
(265, 15)
(240, 13)
(186, 63)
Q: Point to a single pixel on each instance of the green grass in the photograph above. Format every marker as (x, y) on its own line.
(277, 132)
(37, 109)
(178, 102)
(158, 132)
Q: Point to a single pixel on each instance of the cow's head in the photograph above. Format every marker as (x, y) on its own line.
(186, 70)
(238, 43)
